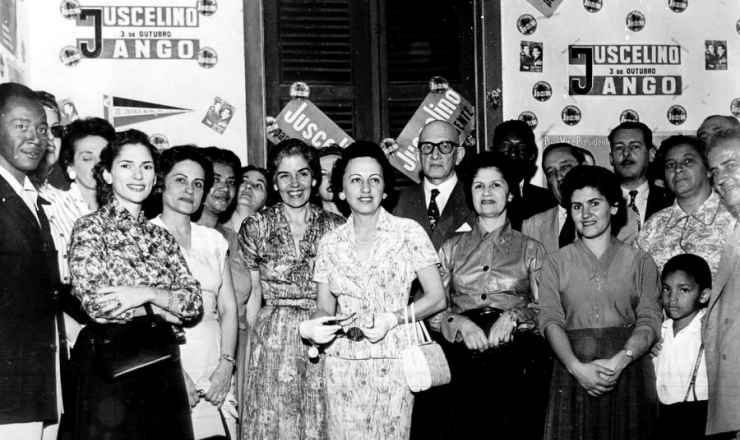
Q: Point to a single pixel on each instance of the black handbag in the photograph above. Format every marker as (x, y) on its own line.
(147, 340)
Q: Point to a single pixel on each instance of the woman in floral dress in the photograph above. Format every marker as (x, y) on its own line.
(284, 389)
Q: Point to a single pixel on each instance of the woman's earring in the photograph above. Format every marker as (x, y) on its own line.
(384, 196)
(341, 196)
(71, 173)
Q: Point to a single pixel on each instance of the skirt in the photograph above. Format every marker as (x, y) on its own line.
(627, 412)
(149, 404)
(367, 399)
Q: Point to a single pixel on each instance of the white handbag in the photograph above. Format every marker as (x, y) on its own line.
(424, 362)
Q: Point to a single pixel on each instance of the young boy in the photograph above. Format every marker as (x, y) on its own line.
(680, 368)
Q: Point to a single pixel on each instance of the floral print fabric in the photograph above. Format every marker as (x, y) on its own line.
(285, 390)
(111, 248)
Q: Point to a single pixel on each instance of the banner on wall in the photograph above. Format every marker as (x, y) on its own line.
(446, 105)
(301, 119)
(13, 41)
(121, 111)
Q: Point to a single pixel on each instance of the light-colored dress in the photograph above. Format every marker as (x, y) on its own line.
(367, 394)
(285, 389)
(200, 355)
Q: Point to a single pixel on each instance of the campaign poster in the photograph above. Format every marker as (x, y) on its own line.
(14, 41)
(530, 58)
(715, 57)
(9, 32)
(218, 115)
(154, 66)
(301, 119)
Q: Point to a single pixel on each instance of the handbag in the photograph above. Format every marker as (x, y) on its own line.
(120, 349)
(424, 362)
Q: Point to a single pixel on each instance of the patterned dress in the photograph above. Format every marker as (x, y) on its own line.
(367, 394)
(112, 248)
(285, 391)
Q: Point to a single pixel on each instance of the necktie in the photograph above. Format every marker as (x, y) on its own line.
(633, 205)
(568, 233)
(433, 210)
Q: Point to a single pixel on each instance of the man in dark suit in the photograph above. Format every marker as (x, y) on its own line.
(438, 203)
(632, 150)
(516, 140)
(28, 275)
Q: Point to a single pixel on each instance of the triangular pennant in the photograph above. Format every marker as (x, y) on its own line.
(122, 111)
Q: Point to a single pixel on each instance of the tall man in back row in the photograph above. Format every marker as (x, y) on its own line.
(28, 273)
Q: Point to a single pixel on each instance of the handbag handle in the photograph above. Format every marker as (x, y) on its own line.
(415, 325)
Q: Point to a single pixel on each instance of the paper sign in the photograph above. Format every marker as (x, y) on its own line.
(447, 106)
(301, 119)
(121, 111)
(547, 7)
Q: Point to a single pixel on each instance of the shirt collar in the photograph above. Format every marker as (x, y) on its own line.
(383, 223)
(642, 191)
(17, 186)
(445, 187)
(694, 326)
(705, 214)
(500, 237)
(120, 213)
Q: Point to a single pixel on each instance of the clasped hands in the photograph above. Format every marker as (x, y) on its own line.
(599, 376)
(501, 334)
(325, 329)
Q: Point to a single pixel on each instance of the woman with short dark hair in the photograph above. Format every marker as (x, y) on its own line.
(600, 311)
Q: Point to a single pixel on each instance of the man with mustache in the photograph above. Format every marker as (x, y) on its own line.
(632, 150)
(28, 346)
(515, 140)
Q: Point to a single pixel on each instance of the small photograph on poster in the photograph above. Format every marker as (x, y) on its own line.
(218, 115)
(715, 55)
(530, 58)
(69, 111)
(2, 65)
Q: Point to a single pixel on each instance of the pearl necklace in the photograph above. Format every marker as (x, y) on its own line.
(363, 243)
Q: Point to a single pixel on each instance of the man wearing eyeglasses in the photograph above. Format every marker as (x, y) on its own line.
(515, 140)
(438, 202)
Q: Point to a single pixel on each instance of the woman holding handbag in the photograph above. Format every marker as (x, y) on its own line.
(208, 355)
(121, 265)
(364, 270)
(498, 361)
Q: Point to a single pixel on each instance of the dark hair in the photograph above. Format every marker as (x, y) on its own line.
(331, 150)
(80, 129)
(355, 151)
(269, 193)
(172, 156)
(508, 168)
(294, 147)
(603, 181)
(586, 153)
(576, 152)
(693, 265)
(113, 150)
(518, 128)
(731, 134)
(731, 120)
(11, 90)
(49, 101)
(647, 135)
(674, 141)
(222, 156)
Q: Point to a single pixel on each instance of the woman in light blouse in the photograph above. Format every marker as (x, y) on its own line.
(119, 262)
(491, 273)
(364, 269)
(600, 311)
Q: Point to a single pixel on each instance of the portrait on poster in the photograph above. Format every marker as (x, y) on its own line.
(530, 57)
(218, 115)
(69, 111)
(715, 55)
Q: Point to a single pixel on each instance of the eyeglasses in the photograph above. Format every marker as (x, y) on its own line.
(57, 131)
(354, 334)
(444, 147)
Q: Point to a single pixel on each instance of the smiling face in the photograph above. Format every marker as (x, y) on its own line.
(630, 155)
(252, 191)
(86, 156)
(183, 188)
(681, 295)
(132, 176)
(294, 180)
(23, 133)
(724, 165)
(685, 173)
(223, 190)
(363, 186)
(490, 193)
(327, 164)
(591, 212)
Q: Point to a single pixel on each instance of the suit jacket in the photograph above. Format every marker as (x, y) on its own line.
(658, 199)
(412, 204)
(534, 200)
(544, 227)
(28, 273)
(721, 333)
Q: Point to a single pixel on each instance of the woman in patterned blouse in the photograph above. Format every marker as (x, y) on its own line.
(284, 390)
(492, 272)
(364, 269)
(119, 262)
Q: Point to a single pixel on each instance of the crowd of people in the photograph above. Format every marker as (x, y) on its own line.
(601, 307)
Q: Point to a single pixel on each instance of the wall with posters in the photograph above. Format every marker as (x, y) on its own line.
(575, 69)
(171, 68)
(14, 47)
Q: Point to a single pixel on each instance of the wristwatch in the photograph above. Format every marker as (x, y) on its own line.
(629, 353)
(513, 316)
(228, 358)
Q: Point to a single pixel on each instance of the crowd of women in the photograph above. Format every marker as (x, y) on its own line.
(294, 316)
